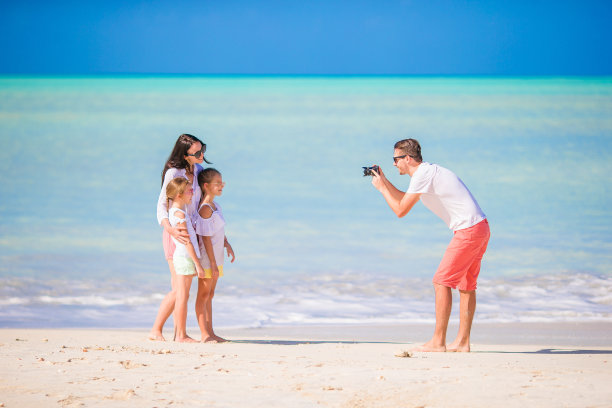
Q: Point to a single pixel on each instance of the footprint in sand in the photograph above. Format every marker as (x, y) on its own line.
(121, 395)
(128, 364)
(70, 401)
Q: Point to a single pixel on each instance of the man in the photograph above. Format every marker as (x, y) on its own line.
(445, 195)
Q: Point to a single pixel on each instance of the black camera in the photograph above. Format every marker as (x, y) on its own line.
(369, 171)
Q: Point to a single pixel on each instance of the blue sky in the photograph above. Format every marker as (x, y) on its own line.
(443, 37)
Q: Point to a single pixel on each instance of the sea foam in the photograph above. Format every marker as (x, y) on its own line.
(314, 299)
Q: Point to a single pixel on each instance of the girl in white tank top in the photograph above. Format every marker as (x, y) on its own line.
(210, 228)
(186, 257)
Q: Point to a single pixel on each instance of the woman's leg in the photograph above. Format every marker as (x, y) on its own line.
(166, 307)
(180, 308)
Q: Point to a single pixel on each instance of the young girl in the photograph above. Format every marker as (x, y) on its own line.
(210, 227)
(185, 257)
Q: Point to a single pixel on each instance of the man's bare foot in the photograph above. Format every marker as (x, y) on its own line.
(186, 339)
(209, 339)
(458, 347)
(220, 339)
(430, 347)
(156, 337)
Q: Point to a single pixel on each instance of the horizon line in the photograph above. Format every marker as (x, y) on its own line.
(277, 75)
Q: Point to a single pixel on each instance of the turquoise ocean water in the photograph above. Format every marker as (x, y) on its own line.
(81, 162)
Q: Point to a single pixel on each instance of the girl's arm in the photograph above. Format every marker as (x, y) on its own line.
(229, 249)
(189, 246)
(196, 260)
(211, 255)
(205, 213)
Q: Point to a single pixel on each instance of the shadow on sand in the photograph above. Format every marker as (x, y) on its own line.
(298, 342)
(551, 351)
(555, 351)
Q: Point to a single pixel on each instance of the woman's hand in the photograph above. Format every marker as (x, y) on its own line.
(180, 234)
(230, 251)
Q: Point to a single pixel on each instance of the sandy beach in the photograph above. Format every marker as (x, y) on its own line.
(306, 367)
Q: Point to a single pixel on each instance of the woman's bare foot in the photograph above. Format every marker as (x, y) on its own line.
(156, 337)
(456, 346)
(430, 347)
(209, 339)
(220, 339)
(185, 339)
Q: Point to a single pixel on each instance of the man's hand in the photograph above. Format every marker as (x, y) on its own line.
(378, 178)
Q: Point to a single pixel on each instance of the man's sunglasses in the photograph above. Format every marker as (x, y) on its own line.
(396, 158)
(199, 152)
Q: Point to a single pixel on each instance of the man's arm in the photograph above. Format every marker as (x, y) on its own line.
(400, 202)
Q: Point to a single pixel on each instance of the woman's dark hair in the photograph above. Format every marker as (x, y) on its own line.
(177, 157)
(206, 176)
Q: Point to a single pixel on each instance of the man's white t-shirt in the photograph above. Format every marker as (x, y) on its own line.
(446, 196)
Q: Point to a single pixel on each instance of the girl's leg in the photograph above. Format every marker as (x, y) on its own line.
(209, 312)
(166, 307)
(180, 308)
(202, 301)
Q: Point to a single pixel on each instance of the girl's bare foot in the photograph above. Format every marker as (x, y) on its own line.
(186, 339)
(156, 337)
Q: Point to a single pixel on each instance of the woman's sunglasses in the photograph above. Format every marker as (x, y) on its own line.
(199, 153)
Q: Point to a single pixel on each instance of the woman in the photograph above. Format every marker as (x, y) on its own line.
(184, 161)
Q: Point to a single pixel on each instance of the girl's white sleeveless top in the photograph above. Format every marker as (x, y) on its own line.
(162, 201)
(213, 227)
(181, 249)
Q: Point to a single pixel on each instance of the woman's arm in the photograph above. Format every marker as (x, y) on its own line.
(162, 200)
(181, 236)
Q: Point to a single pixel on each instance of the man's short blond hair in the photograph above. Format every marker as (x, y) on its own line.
(411, 147)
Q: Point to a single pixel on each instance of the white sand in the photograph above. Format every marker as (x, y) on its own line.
(295, 368)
